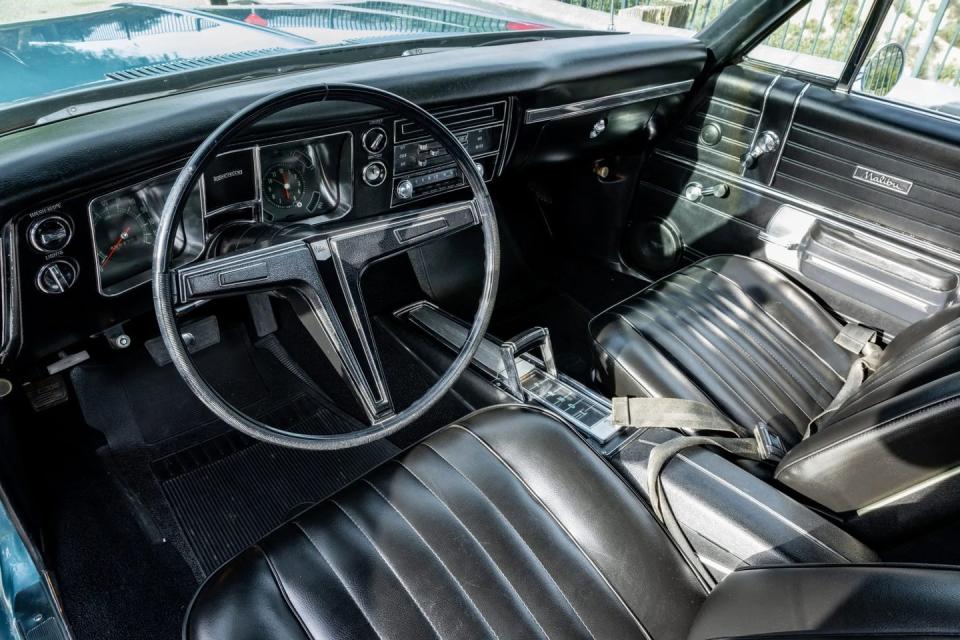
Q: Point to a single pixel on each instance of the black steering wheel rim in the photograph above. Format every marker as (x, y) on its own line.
(164, 286)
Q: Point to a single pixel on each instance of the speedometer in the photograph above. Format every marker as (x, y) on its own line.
(123, 231)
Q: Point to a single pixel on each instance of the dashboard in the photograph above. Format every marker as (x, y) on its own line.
(80, 198)
(102, 245)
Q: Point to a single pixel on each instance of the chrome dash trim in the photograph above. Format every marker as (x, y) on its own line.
(573, 109)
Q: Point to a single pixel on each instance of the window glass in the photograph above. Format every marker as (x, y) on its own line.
(676, 17)
(916, 56)
(818, 38)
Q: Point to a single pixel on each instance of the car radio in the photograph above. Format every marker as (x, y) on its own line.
(422, 167)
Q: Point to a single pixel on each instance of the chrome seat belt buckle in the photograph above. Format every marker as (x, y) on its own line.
(769, 445)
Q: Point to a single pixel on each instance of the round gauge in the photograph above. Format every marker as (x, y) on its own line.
(375, 140)
(283, 186)
(123, 232)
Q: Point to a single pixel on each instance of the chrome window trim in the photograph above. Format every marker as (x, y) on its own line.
(947, 258)
(786, 133)
(756, 130)
(574, 109)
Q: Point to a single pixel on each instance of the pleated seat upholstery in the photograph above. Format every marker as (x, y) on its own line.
(731, 331)
(504, 526)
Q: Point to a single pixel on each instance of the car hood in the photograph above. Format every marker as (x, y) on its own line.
(131, 41)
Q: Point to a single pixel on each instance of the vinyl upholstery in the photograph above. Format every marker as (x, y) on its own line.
(505, 525)
(728, 330)
(736, 332)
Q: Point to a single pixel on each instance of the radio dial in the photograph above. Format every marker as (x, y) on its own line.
(405, 190)
(374, 174)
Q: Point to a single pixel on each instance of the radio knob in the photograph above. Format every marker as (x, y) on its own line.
(405, 190)
(374, 174)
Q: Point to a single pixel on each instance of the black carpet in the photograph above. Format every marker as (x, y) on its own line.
(231, 490)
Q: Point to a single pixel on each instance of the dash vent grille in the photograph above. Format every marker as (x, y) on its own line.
(187, 64)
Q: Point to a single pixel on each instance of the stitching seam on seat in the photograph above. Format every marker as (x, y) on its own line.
(743, 352)
(397, 575)
(767, 313)
(390, 567)
(508, 523)
(705, 293)
(725, 301)
(547, 510)
(439, 559)
(695, 354)
(343, 582)
(283, 591)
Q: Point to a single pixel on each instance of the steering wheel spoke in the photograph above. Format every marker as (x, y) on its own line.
(290, 264)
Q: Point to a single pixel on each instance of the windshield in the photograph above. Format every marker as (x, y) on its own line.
(51, 47)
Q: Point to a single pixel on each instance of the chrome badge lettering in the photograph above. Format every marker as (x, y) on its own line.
(882, 180)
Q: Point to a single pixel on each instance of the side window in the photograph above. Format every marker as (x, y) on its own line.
(819, 38)
(915, 58)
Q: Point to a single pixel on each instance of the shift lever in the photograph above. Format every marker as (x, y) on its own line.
(520, 344)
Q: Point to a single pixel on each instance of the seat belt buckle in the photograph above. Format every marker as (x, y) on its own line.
(855, 338)
(769, 445)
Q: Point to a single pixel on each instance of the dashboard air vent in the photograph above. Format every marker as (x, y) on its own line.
(187, 64)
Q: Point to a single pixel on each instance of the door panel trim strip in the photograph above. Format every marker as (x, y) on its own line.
(949, 259)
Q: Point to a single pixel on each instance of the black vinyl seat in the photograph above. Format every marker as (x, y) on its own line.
(737, 333)
(509, 526)
(505, 526)
(731, 331)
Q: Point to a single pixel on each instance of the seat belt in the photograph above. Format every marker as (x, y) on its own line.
(699, 418)
(861, 341)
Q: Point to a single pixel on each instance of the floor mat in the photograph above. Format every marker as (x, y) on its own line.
(230, 491)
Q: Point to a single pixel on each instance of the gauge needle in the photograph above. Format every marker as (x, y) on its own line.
(116, 245)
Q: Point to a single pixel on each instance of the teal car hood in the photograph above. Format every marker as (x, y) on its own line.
(130, 41)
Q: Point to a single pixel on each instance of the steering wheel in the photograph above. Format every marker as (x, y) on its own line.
(319, 271)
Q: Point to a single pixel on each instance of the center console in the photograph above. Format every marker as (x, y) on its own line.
(731, 517)
(513, 367)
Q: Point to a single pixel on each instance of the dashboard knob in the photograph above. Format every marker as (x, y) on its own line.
(405, 190)
(57, 276)
(49, 233)
(374, 174)
(375, 140)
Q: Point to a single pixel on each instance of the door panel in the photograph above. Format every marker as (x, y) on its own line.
(850, 174)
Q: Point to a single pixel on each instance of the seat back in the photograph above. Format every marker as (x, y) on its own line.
(897, 434)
